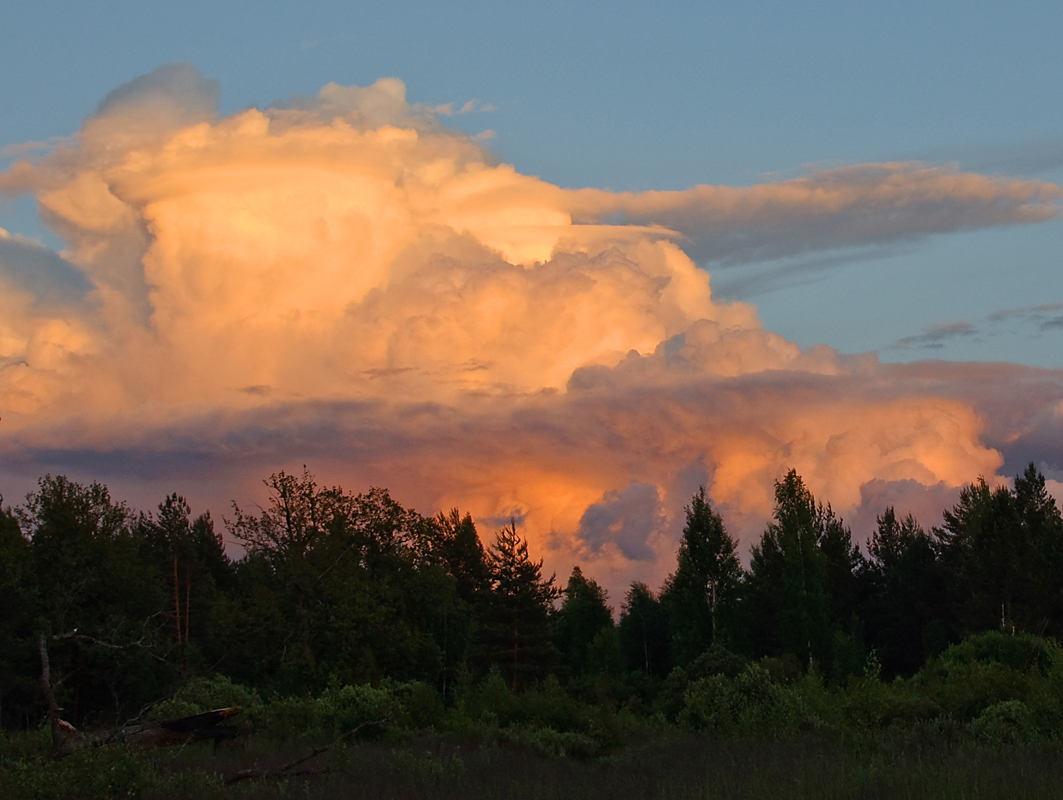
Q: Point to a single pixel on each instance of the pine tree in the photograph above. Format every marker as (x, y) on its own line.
(516, 632)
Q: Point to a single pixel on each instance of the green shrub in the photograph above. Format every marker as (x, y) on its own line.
(752, 704)
(490, 701)
(559, 744)
(89, 773)
(1018, 652)
(421, 706)
(966, 688)
(341, 710)
(550, 706)
(1006, 722)
(206, 694)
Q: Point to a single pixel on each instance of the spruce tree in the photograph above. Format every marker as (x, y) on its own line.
(584, 615)
(516, 631)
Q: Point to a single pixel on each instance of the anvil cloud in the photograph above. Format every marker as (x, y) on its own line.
(342, 281)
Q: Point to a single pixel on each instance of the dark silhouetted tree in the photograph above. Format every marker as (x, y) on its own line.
(516, 632)
(92, 579)
(905, 600)
(801, 587)
(644, 632)
(580, 626)
(1001, 551)
(700, 595)
(20, 696)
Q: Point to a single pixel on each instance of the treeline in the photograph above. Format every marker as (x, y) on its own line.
(338, 589)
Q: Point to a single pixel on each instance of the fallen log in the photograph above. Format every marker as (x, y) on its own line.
(166, 732)
(159, 733)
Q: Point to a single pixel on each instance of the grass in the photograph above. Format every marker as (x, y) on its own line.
(672, 764)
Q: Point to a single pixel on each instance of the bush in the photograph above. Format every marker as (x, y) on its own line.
(1007, 722)
(490, 701)
(422, 707)
(206, 694)
(752, 704)
(341, 710)
(1018, 652)
(965, 688)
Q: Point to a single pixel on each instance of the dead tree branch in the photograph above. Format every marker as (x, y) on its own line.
(286, 770)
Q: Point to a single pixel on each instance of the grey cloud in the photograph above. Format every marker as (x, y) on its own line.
(43, 273)
(1024, 312)
(1034, 157)
(627, 519)
(935, 336)
(829, 209)
(173, 90)
(925, 503)
(647, 425)
(1040, 317)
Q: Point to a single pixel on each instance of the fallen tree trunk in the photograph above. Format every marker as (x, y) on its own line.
(166, 732)
(160, 733)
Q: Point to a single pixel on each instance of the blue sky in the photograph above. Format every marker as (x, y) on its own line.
(633, 96)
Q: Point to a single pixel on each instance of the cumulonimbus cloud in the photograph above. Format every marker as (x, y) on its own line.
(342, 281)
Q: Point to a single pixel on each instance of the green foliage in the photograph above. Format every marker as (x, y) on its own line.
(199, 695)
(19, 692)
(981, 671)
(515, 632)
(749, 705)
(350, 609)
(699, 596)
(338, 711)
(1003, 552)
(583, 629)
(801, 588)
(906, 592)
(643, 632)
(341, 587)
(97, 601)
(1006, 722)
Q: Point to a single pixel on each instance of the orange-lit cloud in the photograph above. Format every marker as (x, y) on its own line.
(342, 281)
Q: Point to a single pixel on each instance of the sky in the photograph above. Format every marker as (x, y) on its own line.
(560, 263)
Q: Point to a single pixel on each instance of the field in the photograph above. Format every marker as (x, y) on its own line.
(670, 764)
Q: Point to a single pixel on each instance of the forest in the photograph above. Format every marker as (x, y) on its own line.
(373, 651)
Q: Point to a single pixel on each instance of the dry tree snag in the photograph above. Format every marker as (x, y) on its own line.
(160, 733)
(166, 732)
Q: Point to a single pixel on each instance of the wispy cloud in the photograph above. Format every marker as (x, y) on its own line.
(829, 209)
(468, 107)
(1043, 317)
(935, 336)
